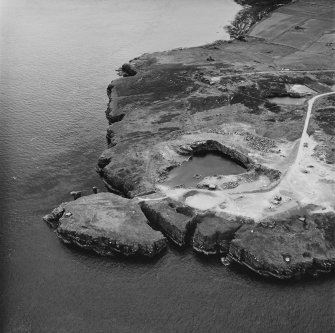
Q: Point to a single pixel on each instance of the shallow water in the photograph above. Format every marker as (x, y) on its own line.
(57, 58)
(288, 100)
(194, 170)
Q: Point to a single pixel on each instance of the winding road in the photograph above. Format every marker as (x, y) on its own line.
(308, 116)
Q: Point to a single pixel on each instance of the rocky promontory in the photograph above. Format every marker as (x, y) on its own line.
(287, 247)
(261, 100)
(107, 224)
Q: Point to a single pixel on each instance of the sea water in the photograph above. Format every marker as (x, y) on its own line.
(57, 58)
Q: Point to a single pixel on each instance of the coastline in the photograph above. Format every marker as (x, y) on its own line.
(174, 103)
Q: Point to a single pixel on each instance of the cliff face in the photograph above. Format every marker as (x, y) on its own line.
(175, 220)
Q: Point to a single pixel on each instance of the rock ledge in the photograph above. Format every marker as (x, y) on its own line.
(107, 224)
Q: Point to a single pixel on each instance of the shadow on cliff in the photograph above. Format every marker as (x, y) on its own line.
(76, 251)
(248, 274)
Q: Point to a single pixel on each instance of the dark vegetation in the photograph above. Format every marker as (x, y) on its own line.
(250, 96)
(162, 82)
(325, 118)
(166, 118)
(199, 104)
(254, 95)
(326, 78)
(128, 70)
(273, 107)
(252, 12)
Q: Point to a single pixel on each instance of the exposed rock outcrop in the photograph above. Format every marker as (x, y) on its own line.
(287, 248)
(53, 218)
(172, 218)
(128, 70)
(107, 224)
(213, 234)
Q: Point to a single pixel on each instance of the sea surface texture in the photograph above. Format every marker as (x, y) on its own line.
(57, 58)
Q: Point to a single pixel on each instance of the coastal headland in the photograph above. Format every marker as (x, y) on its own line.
(263, 100)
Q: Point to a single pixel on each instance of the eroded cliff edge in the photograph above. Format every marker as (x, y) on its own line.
(277, 218)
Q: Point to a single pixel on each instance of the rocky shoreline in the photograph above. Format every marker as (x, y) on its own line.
(107, 224)
(278, 217)
(282, 248)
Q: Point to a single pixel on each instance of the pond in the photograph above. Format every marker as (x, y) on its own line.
(202, 165)
(288, 100)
